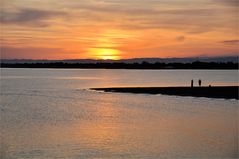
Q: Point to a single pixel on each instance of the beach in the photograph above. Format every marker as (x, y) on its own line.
(227, 92)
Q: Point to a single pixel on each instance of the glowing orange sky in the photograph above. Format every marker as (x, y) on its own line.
(116, 29)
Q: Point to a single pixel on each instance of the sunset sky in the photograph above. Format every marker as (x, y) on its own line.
(118, 29)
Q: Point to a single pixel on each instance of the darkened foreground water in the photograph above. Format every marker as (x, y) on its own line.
(50, 114)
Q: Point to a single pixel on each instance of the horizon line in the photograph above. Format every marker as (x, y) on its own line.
(125, 58)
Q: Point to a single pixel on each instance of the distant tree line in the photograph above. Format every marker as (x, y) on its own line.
(116, 65)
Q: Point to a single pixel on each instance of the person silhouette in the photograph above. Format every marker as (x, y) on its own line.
(199, 82)
(191, 83)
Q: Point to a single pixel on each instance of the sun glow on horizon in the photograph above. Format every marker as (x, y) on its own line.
(106, 45)
(105, 53)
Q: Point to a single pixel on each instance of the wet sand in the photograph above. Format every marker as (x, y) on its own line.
(227, 92)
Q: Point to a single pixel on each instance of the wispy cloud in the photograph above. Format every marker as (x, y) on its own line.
(180, 38)
(29, 52)
(234, 3)
(233, 42)
(33, 17)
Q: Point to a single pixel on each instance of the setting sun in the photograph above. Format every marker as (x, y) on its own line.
(105, 53)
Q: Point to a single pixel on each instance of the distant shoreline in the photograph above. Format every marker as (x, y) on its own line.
(117, 65)
(226, 92)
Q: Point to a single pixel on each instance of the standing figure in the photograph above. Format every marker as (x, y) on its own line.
(199, 82)
(191, 83)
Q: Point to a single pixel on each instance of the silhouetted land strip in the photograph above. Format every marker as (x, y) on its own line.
(227, 92)
(118, 65)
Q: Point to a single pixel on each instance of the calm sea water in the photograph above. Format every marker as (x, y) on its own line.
(51, 114)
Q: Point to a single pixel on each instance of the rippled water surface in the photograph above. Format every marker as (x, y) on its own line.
(51, 114)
